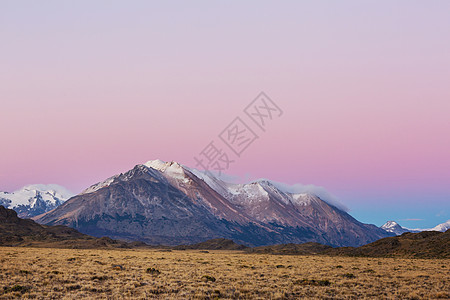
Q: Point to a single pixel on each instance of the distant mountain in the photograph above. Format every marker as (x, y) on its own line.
(167, 203)
(33, 200)
(394, 227)
(17, 232)
(214, 244)
(290, 249)
(442, 227)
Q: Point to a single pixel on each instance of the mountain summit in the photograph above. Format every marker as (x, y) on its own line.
(167, 203)
(394, 227)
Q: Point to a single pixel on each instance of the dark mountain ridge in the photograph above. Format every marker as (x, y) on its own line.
(17, 232)
(425, 244)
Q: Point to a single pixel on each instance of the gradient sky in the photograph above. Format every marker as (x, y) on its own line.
(88, 89)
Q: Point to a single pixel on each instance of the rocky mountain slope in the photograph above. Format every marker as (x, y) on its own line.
(167, 203)
(36, 199)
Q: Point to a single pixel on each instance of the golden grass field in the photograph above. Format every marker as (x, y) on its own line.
(41, 273)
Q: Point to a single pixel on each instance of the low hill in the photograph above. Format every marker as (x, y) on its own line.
(426, 244)
(214, 244)
(15, 231)
(290, 249)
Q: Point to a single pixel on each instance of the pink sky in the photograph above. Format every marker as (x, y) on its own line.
(89, 90)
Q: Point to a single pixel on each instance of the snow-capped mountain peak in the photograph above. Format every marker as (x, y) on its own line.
(297, 193)
(35, 199)
(390, 224)
(156, 164)
(163, 166)
(394, 227)
(442, 227)
(170, 169)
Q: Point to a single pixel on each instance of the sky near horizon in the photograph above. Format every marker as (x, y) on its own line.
(88, 89)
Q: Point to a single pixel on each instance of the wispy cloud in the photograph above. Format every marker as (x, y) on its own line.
(412, 219)
(441, 213)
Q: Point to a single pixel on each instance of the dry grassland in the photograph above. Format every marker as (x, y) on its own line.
(145, 274)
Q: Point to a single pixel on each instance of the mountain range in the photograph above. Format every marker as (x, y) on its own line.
(397, 229)
(167, 203)
(224, 209)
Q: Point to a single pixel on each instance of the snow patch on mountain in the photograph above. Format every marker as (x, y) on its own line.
(156, 164)
(99, 185)
(216, 184)
(302, 199)
(170, 169)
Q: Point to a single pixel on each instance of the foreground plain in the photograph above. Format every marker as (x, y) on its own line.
(43, 273)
